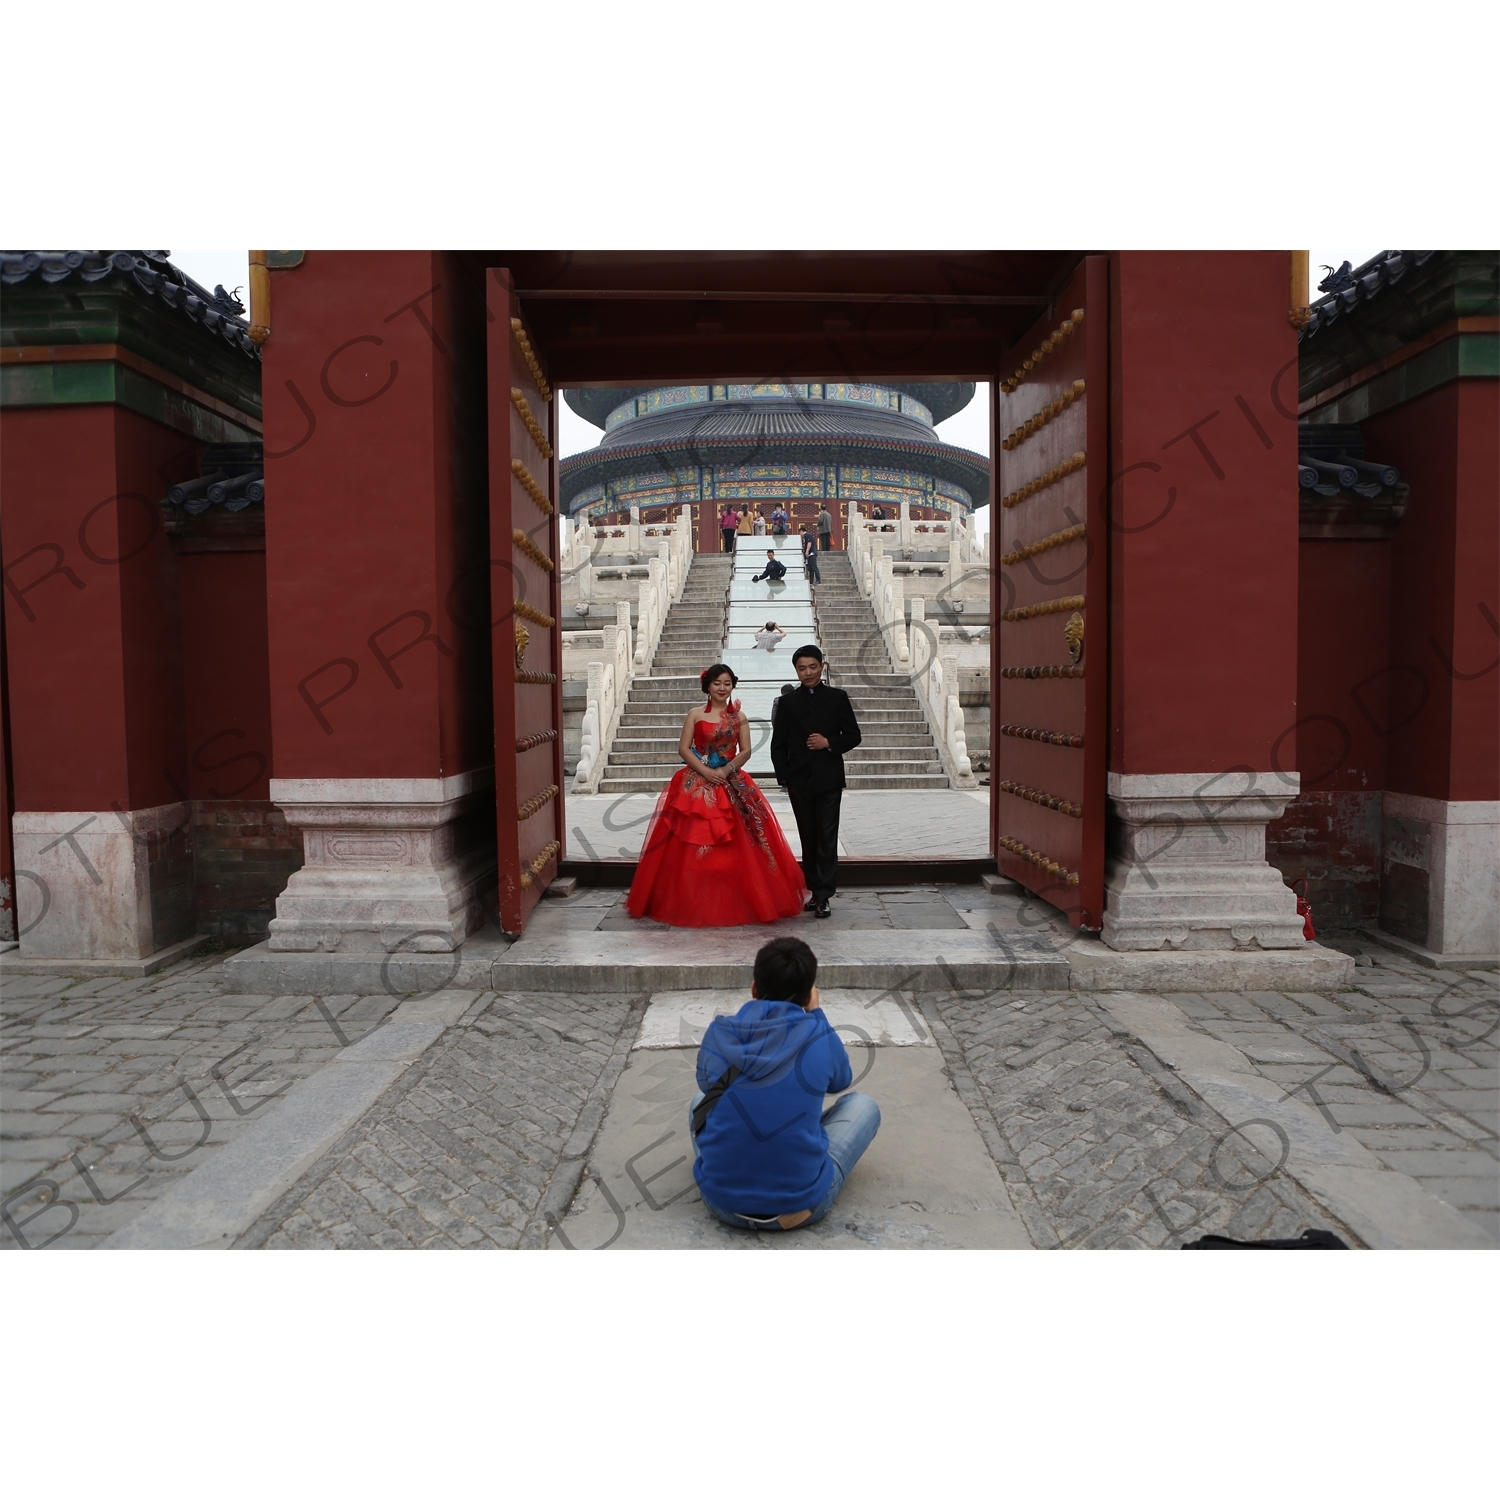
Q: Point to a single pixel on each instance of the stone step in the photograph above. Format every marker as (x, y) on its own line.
(656, 737)
(915, 754)
(899, 783)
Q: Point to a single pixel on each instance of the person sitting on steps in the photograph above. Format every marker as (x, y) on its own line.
(775, 571)
(766, 1155)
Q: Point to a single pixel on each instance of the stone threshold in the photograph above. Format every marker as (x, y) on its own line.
(1425, 956)
(689, 959)
(671, 959)
(96, 968)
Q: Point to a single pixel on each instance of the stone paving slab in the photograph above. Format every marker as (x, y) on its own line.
(863, 1018)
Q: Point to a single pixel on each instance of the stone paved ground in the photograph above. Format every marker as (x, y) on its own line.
(112, 1089)
(1098, 1145)
(110, 1093)
(1101, 1145)
(475, 1147)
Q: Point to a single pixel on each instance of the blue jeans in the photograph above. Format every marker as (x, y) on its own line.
(851, 1125)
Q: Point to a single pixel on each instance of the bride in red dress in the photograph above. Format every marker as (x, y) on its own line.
(715, 856)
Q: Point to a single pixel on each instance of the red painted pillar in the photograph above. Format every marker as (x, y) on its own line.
(98, 769)
(1203, 617)
(378, 599)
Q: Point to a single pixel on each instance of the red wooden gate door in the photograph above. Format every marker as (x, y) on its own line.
(1048, 663)
(525, 600)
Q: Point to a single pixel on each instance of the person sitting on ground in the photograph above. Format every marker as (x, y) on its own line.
(769, 638)
(775, 571)
(766, 1155)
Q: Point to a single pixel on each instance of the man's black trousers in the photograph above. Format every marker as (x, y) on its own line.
(817, 815)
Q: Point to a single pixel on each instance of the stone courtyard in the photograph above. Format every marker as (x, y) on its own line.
(177, 1111)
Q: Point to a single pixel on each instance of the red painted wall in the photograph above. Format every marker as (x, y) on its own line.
(7, 806)
(378, 636)
(1330, 836)
(1344, 610)
(94, 649)
(226, 674)
(1204, 547)
(1442, 700)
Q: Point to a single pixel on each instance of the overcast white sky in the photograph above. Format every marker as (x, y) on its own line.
(969, 428)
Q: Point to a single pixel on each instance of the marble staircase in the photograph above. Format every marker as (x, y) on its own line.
(643, 757)
(897, 752)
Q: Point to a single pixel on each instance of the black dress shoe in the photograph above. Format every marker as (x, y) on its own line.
(824, 910)
(812, 905)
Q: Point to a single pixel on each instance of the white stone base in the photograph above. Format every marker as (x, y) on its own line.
(390, 865)
(1187, 863)
(1456, 845)
(83, 881)
(104, 968)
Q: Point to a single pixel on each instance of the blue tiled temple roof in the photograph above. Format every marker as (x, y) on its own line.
(150, 270)
(1360, 285)
(232, 477)
(970, 471)
(941, 398)
(1331, 462)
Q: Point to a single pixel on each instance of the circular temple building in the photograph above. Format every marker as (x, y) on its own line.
(752, 446)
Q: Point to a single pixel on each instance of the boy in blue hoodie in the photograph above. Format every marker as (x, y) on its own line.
(767, 1155)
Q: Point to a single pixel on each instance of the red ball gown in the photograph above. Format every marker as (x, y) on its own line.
(715, 856)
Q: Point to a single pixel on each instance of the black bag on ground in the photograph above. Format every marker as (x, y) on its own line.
(1310, 1239)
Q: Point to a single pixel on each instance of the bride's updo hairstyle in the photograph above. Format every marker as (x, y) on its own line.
(710, 674)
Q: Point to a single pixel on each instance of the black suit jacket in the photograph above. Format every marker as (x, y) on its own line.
(824, 710)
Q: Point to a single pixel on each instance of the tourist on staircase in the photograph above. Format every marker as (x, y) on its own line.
(810, 554)
(774, 570)
(714, 855)
(814, 728)
(825, 528)
(729, 525)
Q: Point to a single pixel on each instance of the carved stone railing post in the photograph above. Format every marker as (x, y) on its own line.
(953, 724)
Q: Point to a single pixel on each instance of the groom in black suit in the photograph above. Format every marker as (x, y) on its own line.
(815, 728)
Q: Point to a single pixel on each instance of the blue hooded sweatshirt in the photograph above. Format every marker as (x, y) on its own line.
(764, 1150)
